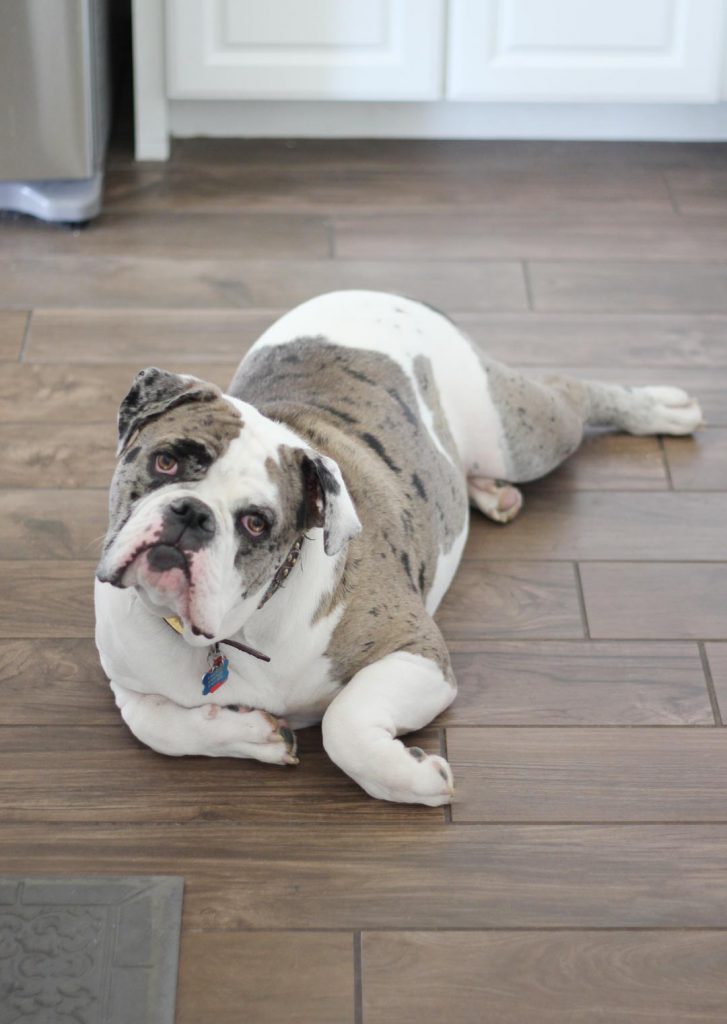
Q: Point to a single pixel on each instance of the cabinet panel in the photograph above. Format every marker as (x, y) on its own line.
(553, 50)
(305, 49)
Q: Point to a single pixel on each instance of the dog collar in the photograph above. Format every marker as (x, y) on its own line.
(218, 669)
(283, 572)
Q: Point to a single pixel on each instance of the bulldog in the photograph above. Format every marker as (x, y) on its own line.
(275, 554)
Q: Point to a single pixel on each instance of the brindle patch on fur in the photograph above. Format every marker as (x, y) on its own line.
(197, 434)
(542, 421)
(295, 514)
(380, 457)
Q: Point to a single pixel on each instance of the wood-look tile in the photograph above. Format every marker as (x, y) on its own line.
(588, 774)
(550, 977)
(698, 463)
(224, 335)
(565, 235)
(331, 183)
(46, 599)
(605, 340)
(179, 235)
(640, 287)
(641, 600)
(417, 875)
(53, 524)
(266, 977)
(699, 190)
(124, 281)
(612, 462)
(54, 682)
(606, 525)
(57, 454)
(143, 336)
(69, 393)
(717, 658)
(511, 599)
(708, 386)
(105, 774)
(12, 330)
(578, 683)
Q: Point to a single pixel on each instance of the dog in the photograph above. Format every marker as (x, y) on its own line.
(275, 554)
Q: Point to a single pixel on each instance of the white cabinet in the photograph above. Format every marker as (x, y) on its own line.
(585, 50)
(645, 69)
(305, 49)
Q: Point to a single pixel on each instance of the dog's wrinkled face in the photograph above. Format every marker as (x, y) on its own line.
(207, 500)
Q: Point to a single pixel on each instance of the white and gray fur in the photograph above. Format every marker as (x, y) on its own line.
(368, 423)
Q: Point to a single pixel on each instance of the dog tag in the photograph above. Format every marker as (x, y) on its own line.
(218, 669)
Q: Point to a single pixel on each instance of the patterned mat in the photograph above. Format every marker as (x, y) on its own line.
(96, 950)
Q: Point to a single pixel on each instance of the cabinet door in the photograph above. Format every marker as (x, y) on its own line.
(585, 50)
(305, 49)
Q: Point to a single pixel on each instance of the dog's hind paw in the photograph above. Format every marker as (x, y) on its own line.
(496, 499)
(665, 410)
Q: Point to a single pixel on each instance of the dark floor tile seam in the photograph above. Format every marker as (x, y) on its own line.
(581, 600)
(664, 176)
(566, 726)
(707, 669)
(411, 826)
(657, 311)
(588, 823)
(618, 261)
(528, 285)
(447, 808)
(41, 490)
(665, 461)
(358, 1012)
(516, 559)
(582, 642)
(26, 333)
(398, 929)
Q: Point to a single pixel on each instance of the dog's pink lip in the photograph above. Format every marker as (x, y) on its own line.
(183, 606)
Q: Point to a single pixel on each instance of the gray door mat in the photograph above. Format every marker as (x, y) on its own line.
(89, 950)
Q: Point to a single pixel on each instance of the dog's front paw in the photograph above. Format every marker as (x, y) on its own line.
(410, 776)
(247, 732)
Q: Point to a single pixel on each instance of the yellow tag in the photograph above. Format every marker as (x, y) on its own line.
(176, 623)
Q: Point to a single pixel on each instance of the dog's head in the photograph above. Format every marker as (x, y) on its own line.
(208, 499)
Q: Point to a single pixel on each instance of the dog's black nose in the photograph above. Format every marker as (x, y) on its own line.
(193, 515)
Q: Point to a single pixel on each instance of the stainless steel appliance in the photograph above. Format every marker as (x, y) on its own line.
(54, 106)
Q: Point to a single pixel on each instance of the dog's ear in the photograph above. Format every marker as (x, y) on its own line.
(327, 501)
(152, 393)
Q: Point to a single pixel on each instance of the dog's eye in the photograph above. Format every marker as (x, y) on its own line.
(254, 524)
(165, 463)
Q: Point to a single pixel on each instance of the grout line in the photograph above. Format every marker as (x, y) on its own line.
(707, 669)
(485, 928)
(357, 979)
(581, 600)
(582, 822)
(331, 232)
(528, 285)
(447, 809)
(665, 461)
(672, 198)
(24, 342)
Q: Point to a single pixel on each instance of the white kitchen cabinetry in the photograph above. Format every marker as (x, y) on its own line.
(585, 50)
(645, 69)
(305, 49)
